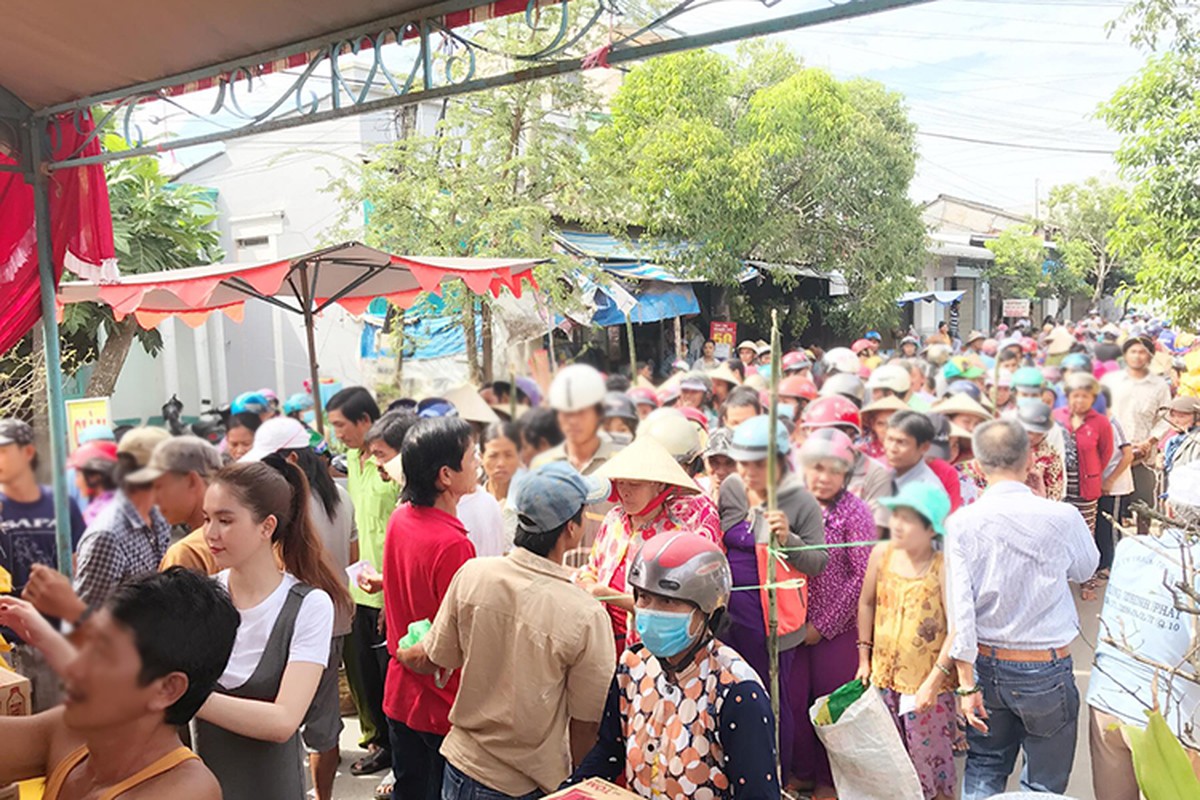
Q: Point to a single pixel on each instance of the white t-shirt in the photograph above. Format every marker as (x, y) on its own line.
(310, 639)
(479, 513)
(1140, 612)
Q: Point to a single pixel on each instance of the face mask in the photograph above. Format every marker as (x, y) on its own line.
(665, 633)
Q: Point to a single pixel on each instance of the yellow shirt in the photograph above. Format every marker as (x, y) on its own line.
(192, 552)
(910, 626)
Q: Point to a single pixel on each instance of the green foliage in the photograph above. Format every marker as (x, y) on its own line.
(761, 158)
(1157, 114)
(1017, 268)
(157, 225)
(1159, 761)
(488, 182)
(1084, 217)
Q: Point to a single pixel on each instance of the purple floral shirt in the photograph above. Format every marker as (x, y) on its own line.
(833, 594)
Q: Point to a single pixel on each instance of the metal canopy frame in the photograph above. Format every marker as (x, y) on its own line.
(438, 44)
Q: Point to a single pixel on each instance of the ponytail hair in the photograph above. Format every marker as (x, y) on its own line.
(275, 487)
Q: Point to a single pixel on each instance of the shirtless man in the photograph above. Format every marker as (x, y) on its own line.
(145, 663)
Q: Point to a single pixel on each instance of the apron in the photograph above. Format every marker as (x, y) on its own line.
(251, 769)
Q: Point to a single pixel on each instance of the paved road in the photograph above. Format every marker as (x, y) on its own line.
(349, 787)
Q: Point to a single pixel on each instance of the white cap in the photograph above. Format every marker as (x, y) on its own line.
(670, 428)
(277, 433)
(891, 376)
(576, 387)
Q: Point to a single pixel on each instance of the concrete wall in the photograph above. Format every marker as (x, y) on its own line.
(270, 204)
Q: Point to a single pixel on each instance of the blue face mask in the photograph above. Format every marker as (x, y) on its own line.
(665, 633)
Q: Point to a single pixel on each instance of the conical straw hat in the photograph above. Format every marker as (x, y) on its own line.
(470, 405)
(646, 460)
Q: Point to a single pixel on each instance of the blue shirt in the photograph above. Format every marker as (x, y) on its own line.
(27, 535)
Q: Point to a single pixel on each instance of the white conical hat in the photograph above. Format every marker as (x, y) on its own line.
(646, 460)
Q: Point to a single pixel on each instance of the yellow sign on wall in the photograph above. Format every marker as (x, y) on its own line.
(83, 414)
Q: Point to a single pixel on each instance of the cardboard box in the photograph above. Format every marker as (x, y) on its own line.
(593, 789)
(14, 695)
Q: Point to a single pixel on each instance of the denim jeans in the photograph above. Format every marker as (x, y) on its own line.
(1034, 706)
(458, 786)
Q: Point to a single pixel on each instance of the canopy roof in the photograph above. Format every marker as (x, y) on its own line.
(349, 274)
(50, 55)
(941, 298)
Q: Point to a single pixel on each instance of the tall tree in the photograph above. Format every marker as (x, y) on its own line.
(1157, 114)
(487, 182)
(761, 158)
(1084, 216)
(1024, 268)
(157, 225)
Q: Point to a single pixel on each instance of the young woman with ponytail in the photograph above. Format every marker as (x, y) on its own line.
(258, 514)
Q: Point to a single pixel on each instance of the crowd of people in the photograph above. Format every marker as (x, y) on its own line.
(532, 585)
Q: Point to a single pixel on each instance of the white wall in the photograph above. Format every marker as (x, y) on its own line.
(269, 185)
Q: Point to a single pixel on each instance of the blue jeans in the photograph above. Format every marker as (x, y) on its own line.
(458, 786)
(1034, 706)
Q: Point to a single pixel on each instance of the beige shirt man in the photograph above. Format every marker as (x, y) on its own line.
(536, 652)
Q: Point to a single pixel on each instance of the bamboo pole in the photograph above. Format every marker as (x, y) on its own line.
(633, 371)
(773, 547)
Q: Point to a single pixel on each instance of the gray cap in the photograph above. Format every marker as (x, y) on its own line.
(720, 443)
(696, 382)
(180, 454)
(940, 447)
(15, 431)
(1035, 416)
(552, 495)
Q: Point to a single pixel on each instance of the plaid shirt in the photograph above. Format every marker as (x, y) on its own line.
(118, 545)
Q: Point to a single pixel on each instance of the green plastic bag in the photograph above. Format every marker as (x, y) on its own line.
(842, 698)
(415, 631)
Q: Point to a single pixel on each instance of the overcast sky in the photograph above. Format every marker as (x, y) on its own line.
(1015, 72)
(1028, 73)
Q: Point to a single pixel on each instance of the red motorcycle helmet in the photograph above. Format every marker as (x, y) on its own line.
(643, 396)
(798, 387)
(830, 411)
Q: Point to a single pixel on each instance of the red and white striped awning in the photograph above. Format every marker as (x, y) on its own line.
(350, 274)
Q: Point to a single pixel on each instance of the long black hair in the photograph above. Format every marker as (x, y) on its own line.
(316, 469)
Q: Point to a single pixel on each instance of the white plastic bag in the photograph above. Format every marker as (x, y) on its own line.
(866, 755)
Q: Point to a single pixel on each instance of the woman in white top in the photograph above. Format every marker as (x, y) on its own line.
(501, 461)
(247, 732)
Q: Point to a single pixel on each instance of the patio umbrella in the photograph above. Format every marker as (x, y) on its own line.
(349, 274)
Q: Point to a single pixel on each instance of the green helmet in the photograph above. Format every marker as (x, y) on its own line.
(1028, 378)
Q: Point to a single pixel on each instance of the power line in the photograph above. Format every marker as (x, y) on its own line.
(1016, 145)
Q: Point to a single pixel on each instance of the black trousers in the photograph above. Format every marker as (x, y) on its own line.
(417, 763)
(371, 661)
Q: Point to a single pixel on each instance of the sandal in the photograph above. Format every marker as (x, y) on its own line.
(1087, 590)
(384, 790)
(377, 760)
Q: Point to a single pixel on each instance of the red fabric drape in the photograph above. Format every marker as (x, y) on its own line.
(80, 226)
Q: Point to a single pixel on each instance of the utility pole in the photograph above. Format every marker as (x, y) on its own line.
(1037, 200)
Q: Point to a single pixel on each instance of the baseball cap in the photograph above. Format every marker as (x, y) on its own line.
(930, 501)
(719, 443)
(1144, 341)
(97, 433)
(553, 494)
(139, 443)
(15, 431)
(696, 382)
(180, 454)
(93, 451)
(277, 433)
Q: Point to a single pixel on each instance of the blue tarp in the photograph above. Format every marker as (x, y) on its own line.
(630, 259)
(655, 302)
(428, 333)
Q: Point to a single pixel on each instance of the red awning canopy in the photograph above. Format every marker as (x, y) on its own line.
(349, 274)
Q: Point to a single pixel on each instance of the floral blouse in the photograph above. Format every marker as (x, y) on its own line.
(833, 592)
(617, 543)
(910, 626)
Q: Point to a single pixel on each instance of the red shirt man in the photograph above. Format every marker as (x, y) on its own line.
(423, 548)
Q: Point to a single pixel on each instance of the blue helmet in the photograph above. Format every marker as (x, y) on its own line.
(301, 401)
(436, 407)
(752, 438)
(252, 402)
(965, 387)
(1076, 362)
